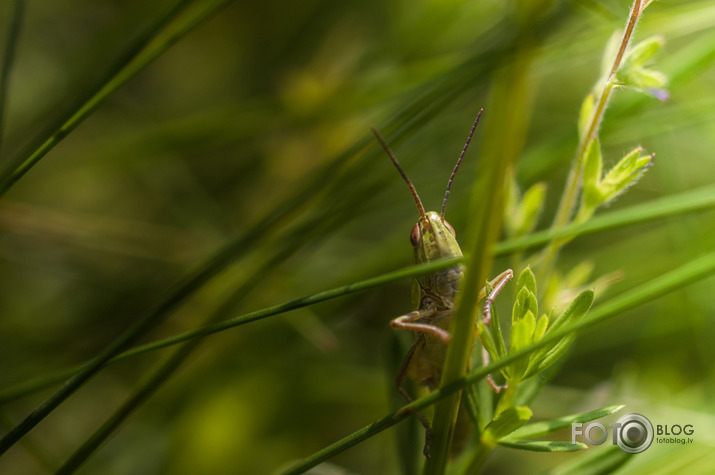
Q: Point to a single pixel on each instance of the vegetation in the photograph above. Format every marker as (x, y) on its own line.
(173, 172)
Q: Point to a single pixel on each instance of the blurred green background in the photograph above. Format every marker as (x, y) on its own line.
(261, 114)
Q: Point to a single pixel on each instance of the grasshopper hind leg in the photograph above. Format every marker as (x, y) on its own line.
(400, 378)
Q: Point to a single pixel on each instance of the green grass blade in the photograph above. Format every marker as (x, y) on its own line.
(23, 389)
(537, 429)
(688, 202)
(13, 33)
(362, 286)
(543, 445)
(176, 24)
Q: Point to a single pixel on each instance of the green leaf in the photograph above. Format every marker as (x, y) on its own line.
(584, 116)
(538, 429)
(485, 336)
(497, 335)
(521, 213)
(643, 52)
(642, 78)
(624, 173)
(632, 72)
(543, 359)
(470, 400)
(575, 311)
(592, 169)
(541, 326)
(506, 423)
(525, 302)
(527, 279)
(521, 331)
(543, 445)
(512, 198)
(532, 204)
(547, 356)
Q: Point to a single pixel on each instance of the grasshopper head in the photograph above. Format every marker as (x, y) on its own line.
(433, 238)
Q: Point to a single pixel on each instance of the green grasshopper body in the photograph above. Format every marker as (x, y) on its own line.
(434, 294)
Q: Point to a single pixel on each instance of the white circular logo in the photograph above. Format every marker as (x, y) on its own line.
(635, 433)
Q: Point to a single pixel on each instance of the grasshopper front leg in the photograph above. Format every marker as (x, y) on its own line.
(409, 321)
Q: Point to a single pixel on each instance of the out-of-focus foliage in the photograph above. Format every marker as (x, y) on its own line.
(242, 117)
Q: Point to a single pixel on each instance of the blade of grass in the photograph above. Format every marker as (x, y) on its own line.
(687, 202)
(510, 104)
(697, 269)
(537, 429)
(543, 445)
(23, 389)
(13, 33)
(173, 26)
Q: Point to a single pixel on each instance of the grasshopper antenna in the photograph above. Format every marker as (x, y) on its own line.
(459, 162)
(418, 202)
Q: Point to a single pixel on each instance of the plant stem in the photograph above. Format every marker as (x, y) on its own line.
(574, 181)
(507, 398)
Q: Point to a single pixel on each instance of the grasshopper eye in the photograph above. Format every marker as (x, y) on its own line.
(415, 235)
(449, 226)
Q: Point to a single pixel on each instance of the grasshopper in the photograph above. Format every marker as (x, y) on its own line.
(433, 295)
